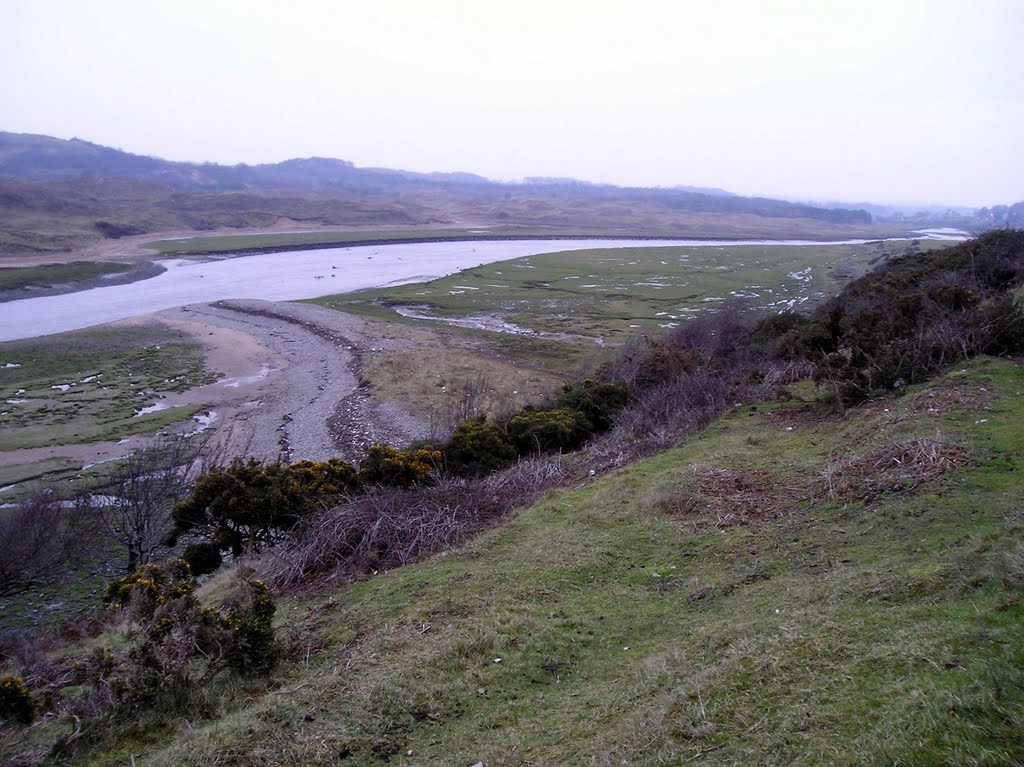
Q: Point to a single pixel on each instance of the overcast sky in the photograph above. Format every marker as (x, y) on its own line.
(880, 100)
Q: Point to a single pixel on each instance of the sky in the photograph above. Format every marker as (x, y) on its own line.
(832, 100)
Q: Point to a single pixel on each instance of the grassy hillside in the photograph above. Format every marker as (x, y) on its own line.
(787, 587)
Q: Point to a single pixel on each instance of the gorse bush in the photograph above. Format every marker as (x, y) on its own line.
(16, 702)
(547, 431)
(249, 505)
(150, 586)
(178, 640)
(386, 465)
(477, 447)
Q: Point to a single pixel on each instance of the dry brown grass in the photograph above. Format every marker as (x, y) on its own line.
(720, 495)
(897, 467)
(948, 399)
(443, 379)
(387, 527)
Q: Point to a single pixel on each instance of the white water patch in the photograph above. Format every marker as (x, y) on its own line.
(203, 422)
(17, 401)
(943, 233)
(804, 275)
(12, 365)
(62, 387)
(464, 287)
(156, 407)
(495, 324)
(90, 379)
(234, 383)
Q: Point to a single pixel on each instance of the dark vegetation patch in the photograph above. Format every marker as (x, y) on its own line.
(40, 277)
(912, 316)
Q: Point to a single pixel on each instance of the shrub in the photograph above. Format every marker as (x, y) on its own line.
(202, 558)
(387, 527)
(252, 649)
(546, 431)
(598, 401)
(249, 505)
(16, 702)
(920, 311)
(179, 641)
(386, 465)
(150, 586)
(477, 447)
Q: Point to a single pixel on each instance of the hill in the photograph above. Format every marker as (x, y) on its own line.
(57, 195)
(784, 588)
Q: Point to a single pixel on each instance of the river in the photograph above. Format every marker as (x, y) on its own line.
(293, 275)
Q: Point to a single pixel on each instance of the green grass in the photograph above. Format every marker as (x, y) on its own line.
(281, 240)
(774, 623)
(49, 275)
(608, 294)
(89, 385)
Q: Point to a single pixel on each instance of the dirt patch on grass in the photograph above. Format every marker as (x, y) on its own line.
(899, 467)
(720, 495)
(948, 399)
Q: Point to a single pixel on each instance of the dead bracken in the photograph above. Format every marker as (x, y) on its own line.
(899, 467)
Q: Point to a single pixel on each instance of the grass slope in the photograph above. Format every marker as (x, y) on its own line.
(784, 588)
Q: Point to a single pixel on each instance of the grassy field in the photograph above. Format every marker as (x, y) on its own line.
(609, 293)
(609, 222)
(444, 378)
(56, 274)
(90, 385)
(786, 587)
(228, 243)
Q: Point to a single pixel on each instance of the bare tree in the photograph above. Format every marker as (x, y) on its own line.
(133, 508)
(40, 542)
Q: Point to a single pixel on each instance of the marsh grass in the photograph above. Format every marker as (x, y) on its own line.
(602, 294)
(89, 386)
(445, 379)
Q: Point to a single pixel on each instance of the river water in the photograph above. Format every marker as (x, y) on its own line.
(293, 275)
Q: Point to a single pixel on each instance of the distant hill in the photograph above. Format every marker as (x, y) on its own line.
(58, 195)
(44, 158)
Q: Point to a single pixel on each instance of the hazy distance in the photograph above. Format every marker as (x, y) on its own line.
(878, 100)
